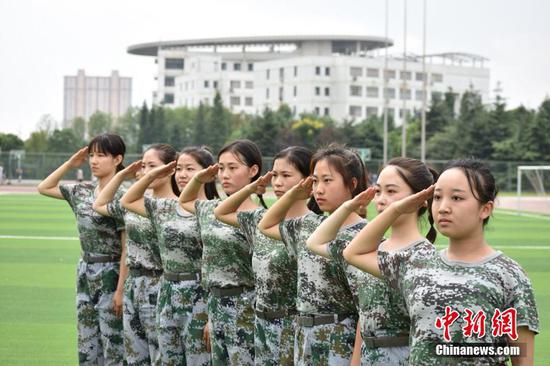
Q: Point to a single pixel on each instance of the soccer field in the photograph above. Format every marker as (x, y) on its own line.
(39, 252)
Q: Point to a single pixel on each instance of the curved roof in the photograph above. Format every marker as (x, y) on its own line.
(151, 48)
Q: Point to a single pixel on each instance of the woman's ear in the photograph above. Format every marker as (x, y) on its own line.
(353, 184)
(254, 169)
(486, 210)
(118, 159)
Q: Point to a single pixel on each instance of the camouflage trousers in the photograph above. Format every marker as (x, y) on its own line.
(232, 329)
(139, 318)
(381, 356)
(274, 341)
(328, 344)
(181, 318)
(100, 338)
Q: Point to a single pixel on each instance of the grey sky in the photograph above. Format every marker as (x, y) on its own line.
(41, 41)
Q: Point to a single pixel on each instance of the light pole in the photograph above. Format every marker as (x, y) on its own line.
(424, 89)
(404, 85)
(385, 137)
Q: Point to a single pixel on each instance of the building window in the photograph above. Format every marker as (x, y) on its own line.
(215, 84)
(267, 74)
(405, 94)
(295, 91)
(317, 70)
(373, 73)
(248, 101)
(372, 111)
(355, 111)
(281, 73)
(317, 90)
(295, 71)
(390, 93)
(267, 93)
(437, 95)
(169, 81)
(390, 74)
(235, 84)
(437, 78)
(235, 101)
(317, 110)
(355, 91)
(249, 84)
(168, 98)
(173, 63)
(327, 71)
(206, 84)
(405, 75)
(281, 93)
(250, 67)
(355, 72)
(327, 111)
(327, 92)
(419, 76)
(403, 113)
(237, 66)
(224, 66)
(294, 110)
(419, 95)
(372, 91)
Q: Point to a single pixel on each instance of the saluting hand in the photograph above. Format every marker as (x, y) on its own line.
(360, 202)
(302, 190)
(413, 202)
(131, 170)
(163, 170)
(260, 184)
(207, 175)
(78, 158)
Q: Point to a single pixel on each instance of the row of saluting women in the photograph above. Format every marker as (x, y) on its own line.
(179, 276)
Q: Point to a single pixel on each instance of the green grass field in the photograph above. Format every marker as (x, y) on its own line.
(37, 291)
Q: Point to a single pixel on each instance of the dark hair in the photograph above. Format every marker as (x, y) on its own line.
(347, 163)
(109, 143)
(167, 154)
(203, 157)
(417, 176)
(300, 158)
(481, 180)
(249, 154)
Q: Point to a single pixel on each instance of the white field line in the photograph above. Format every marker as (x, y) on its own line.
(523, 214)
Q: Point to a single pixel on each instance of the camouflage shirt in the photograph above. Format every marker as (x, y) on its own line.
(274, 271)
(430, 282)
(98, 234)
(382, 310)
(141, 238)
(178, 231)
(322, 286)
(226, 254)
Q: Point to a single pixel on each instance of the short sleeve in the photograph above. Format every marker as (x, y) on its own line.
(202, 206)
(336, 250)
(151, 207)
(290, 233)
(522, 298)
(68, 192)
(248, 221)
(115, 210)
(390, 265)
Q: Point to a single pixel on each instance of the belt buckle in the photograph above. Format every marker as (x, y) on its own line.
(308, 320)
(369, 342)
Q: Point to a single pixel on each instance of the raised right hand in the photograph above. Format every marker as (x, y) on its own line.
(163, 170)
(361, 201)
(131, 170)
(260, 184)
(413, 202)
(78, 158)
(207, 175)
(302, 190)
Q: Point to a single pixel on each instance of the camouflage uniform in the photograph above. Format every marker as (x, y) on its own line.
(382, 311)
(226, 264)
(430, 282)
(181, 311)
(322, 289)
(100, 339)
(275, 277)
(140, 288)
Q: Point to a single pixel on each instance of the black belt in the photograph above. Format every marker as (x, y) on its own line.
(100, 258)
(276, 314)
(376, 342)
(311, 320)
(228, 291)
(139, 272)
(175, 277)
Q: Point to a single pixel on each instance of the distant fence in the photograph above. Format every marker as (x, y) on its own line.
(39, 165)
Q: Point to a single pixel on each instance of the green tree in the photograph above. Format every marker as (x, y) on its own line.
(37, 142)
(78, 125)
(127, 126)
(99, 123)
(218, 124)
(200, 135)
(9, 141)
(63, 141)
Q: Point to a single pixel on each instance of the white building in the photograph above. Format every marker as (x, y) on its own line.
(339, 76)
(85, 95)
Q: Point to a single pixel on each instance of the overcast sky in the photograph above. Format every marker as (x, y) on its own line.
(41, 41)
